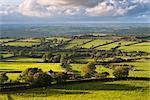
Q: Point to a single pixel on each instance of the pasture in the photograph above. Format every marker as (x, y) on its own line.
(76, 43)
(96, 42)
(145, 47)
(22, 44)
(6, 40)
(116, 90)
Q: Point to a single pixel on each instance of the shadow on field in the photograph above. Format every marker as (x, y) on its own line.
(98, 86)
(140, 70)
(44, 92)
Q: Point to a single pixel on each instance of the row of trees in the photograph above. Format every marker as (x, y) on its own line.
(36, 77)
(89, 71)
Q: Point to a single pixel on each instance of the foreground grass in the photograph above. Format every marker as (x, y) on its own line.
(117, 90)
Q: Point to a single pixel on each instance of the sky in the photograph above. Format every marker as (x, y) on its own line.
(40, 11)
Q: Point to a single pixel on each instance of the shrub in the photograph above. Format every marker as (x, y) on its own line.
(89, 70)
(3, 78)
(102, 75)
(121, 72)
(60, 77)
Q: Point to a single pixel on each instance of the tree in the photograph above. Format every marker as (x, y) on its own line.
(42, 40)
(35, 77)
(3, 78)
(60, 77)
(121, 72)
(1, 57)
(41, 79)
(56, 59)
(64, 59)
(27, 75)
(102, 75)
(66, 66)
(44, 59)
(89, 69)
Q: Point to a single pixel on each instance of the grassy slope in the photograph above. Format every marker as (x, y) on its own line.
(95, 43)
(137, 47)
(76, 42)
(117, 90)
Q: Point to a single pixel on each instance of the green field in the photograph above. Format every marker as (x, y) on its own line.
(137, 47)
(6, 40)
(95, 43)
(58, 38)
(7, 55)
(30, 40)
(117, 90)
(108, 47)
(141, 68)
(23, 59)
(28, 44)
(76, 42)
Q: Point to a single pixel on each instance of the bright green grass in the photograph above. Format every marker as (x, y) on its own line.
(18, 66)
(7, 55)
(123, 42)
(22, 66)
(22, 59)
(21, 44)
(137, 47)
(76, 42)
(5, 40)
(95, 43)
(108, 47)
(99, 68)
(117, 90)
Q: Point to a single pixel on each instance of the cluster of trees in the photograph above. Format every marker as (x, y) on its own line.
(119, 71)
(51, 58)
(3, 77)
(35, 77)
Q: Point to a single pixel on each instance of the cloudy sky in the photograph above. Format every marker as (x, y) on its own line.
(24, 11)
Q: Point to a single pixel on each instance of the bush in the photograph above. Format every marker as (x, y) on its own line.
(61, 77)
(121, 72)
(102, 75)
(3, 78)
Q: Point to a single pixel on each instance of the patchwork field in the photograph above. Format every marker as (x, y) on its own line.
(100, 90)
(145, 47)
(96, 42)
(76, 42)
(23, 44)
